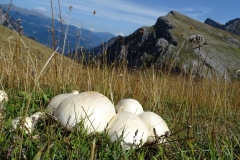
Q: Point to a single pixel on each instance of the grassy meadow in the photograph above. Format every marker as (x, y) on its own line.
(203, 115)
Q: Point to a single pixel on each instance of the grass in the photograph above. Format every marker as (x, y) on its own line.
(210, 107)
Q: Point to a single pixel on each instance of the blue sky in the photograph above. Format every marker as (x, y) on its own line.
(125, 16)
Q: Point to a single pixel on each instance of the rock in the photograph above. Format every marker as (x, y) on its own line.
(232, 26)
(142, 47)
(214, 23)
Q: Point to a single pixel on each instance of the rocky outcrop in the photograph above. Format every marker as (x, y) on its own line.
(147, 45)
(214, 23)
(232, 26)
(166, 45)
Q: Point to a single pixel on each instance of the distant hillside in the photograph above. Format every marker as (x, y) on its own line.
(37, 26)
(160, 43)
(3, 21)
(232, 26)
(33, 55)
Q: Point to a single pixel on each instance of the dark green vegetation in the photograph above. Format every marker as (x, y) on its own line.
(210, 107)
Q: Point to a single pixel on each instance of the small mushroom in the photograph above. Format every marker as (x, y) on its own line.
(238, 73)
(128, 128)
(28, 125)
(93, 108)
(130, 105)
(55, 101)
(3, 96)
(155, 124)
(35, 117)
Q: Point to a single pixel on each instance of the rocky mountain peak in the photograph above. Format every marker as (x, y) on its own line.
(162, 27)
(214, 23)
(232, 26)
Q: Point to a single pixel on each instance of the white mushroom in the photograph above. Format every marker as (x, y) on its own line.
(128, 128)
(55, 101)
(28, 125)
(92, 108)
(152, 120)
(130, 105)
(36, 116)
(238, 73)
(3, 96)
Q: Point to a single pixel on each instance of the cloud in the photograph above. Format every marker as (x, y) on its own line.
(118, 10)
(120, 34)
(193, 12)
(198, 13)
(43, 9)
(118, 14)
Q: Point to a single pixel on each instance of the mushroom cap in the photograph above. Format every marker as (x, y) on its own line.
(55, 101)
(130, 105)
(3, 96)
(93, 108)
(130, 128)
(153, 120)
(28, 125)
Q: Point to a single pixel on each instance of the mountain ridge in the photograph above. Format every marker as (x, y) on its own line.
(37, 25)
(232, 26)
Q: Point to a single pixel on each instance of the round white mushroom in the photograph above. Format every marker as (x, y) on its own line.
(154, 122)
(55, 101)
(92, 108)
(128, 128)
(3, 96)
(28, 125)
(130, 105)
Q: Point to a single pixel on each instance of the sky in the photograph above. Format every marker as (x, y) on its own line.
(123, 17)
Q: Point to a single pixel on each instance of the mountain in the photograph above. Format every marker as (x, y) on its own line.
(232, 26)
(214, 23)
(167, 41)
(37, 26)
(13, 22)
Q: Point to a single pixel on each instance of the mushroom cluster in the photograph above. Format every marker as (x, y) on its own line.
(126, 122)
(135, 126)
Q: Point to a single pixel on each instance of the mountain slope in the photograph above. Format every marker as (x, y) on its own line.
(37, 25)
(160, 43)
(26, 51)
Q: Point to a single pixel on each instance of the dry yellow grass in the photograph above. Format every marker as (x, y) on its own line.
(179, 99)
